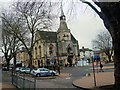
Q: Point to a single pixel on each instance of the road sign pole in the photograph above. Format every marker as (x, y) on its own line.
(94, 72)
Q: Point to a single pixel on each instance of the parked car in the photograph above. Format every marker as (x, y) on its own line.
(4, 69)
(17, 69)
(24, 70)
(42, 72)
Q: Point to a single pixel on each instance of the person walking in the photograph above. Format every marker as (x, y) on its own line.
(101, 67)
(58, 68)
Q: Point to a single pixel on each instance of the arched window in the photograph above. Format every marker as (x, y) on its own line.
(36, 52)
(40, 51)
(51, 48)
(69, 49)
(67, 36)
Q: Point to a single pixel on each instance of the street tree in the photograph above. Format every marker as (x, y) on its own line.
(103, 42)
(111, 17)
(31, 16)
(10, 43)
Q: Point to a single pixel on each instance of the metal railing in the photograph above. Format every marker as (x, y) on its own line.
(23, 81)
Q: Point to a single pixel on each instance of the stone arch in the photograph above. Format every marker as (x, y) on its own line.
(51, 48)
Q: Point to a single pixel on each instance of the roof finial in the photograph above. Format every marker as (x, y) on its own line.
(62, 13)
(62, 17)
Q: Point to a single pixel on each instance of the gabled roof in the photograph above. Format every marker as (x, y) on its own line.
(48, 36)
(73, 39)
(85, 49)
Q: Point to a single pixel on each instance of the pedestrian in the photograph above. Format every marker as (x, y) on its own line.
(58, 68)
(101, 67)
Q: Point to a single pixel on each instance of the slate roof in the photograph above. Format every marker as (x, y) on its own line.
(85, 49)
(48, 36)
(63, 27)
(52, 36)
(73, 39)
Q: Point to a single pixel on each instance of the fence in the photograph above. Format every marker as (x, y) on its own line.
(23, 82)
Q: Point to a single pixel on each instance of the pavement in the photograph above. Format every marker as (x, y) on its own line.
(6, 85)
(100, 79)
(87, 82)
(64, 75)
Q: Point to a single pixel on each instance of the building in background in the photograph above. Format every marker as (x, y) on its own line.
(86, 54)
(22, 58)
(104, 57)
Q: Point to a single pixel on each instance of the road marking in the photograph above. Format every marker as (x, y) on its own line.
(68, 77)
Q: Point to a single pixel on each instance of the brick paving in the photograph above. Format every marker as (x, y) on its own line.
(105, 67)
(7, 85)
(64, 75)
(102, 79)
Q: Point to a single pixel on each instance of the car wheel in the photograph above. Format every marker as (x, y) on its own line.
(38, 74)
(53, 74)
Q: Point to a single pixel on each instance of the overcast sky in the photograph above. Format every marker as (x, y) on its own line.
(84, 24)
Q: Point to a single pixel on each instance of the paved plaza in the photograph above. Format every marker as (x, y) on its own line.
(85, 82)
(102, 79)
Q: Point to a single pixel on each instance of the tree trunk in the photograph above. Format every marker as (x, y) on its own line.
(116, 46)
(109, 58)
(14, 62)
(30, 61)
(8, 64)
(111, 16)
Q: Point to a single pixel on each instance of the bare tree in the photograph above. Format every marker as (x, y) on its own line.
(103, 42)
(10, 43)
(30, 16)
(111, 17)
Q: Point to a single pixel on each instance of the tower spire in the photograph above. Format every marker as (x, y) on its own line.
(62, 17)
(62, 13)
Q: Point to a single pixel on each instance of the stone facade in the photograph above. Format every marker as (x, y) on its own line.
(55, 47)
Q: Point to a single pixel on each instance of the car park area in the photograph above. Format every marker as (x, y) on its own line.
(43, 72)
(36, 71)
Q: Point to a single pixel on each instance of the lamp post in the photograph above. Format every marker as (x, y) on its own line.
(83, 49)
(96, 57)
(93, 70)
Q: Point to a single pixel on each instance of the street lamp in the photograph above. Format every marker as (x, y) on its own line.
(96, 57)
(93, 70)
(83, 49)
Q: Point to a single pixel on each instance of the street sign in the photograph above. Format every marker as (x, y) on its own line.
(51, 61)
